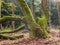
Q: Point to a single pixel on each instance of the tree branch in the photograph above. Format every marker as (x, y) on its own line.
(10, 18)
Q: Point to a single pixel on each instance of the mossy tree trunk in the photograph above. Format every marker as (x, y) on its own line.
(46, 11)
(44, 20)
(36, 29)
(10, 18)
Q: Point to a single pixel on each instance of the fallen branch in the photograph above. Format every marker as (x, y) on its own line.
(10, 18)
(10, 37)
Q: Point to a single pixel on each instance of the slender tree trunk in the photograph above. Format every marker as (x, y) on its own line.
(13, 26)
(32, 6)
(26, 24)
(45, 9)
(0, 15)
(58, 11)
(36, 29)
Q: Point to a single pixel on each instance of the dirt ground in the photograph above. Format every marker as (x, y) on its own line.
(53, 40)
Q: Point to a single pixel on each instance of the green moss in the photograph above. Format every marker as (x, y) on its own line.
(11, 18)
(42, 22)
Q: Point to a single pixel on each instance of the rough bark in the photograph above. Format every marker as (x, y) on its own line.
(36, 30)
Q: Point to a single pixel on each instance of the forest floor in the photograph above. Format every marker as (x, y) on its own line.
(53, 40)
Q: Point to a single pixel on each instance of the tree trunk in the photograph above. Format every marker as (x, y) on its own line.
(32, 6)
(57, 5)
(45, 11)
(45, 8)
(0, 15)
(36, 29)
(13, 26)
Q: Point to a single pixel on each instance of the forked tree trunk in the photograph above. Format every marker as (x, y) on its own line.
(36, 29)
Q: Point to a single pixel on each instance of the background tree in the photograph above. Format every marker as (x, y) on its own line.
(0, 14)
(13, 26)
(32, 6)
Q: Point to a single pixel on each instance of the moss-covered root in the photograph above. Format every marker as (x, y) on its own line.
(10, 37)
(10, 18)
